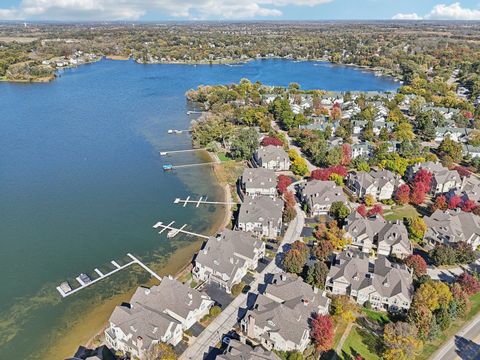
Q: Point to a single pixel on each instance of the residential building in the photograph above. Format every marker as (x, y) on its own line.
(225, 259)
(452, 226)
(443, 179)
(272, 157)
(387, 238)
(455, 133)
(100, 353)
(237, 350)
(386, 285)
(380, 184)
(258, 181)
(320, 195)
(158, 314)
(363, 149)
(262, 215)
(280, 317)
(472, 151)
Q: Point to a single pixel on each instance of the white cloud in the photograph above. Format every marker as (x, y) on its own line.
(453, 12)
(412, 16)
(135, 9)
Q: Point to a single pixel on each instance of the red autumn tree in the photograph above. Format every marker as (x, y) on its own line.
(346, 154)
(289, 198)
(362, 210)
(454, 202)
(377, 209)
(324, 174)
(417, 263)
(283, 183)
(469, 205)
(270, 140)
(469, 283)
(402, 195)
(323, 249)
(440, 203)
(423, 177)
(417, 196)
(463, 171)
(322, 332)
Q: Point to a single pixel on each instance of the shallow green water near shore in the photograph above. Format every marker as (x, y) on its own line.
(81, 184)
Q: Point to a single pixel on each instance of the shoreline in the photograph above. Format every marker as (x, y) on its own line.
(177, 264)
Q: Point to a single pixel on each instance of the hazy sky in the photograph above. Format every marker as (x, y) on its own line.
(238, 9)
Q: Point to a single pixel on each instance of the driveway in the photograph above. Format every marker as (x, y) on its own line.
(218, 295)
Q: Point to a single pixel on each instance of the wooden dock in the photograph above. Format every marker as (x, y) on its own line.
(101, 275)
(174, 231)
(165, 153)
(201, 201)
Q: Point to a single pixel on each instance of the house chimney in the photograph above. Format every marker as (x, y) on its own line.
(251, 327)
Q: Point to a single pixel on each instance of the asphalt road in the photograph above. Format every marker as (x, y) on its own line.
(465, 345)
(227, 319)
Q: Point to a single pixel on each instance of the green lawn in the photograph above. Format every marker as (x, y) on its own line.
(223, 157)
(400, 212)
(361, 342)
(339, 330)
(376, 316)
(430, 348)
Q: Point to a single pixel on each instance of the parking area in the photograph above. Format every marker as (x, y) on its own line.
(218, 295)
(262, 264)
(196, 329)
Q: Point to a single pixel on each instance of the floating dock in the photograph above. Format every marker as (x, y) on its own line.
(174, 231)
(65, 289)
(165, 153)
(201, 201)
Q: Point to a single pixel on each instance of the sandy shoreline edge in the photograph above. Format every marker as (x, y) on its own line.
(179, 262)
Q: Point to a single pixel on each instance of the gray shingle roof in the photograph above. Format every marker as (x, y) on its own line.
(289, 317)
(452, 225)
(355, 268)
(323, 192)
(239, 351)
(259, 178)
(260, 209)
(271, 152)
(222, 253)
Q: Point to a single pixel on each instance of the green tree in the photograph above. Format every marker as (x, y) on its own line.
(339, 210)
(451, 148)
(401, 341)
(317, 274)
(244, 144)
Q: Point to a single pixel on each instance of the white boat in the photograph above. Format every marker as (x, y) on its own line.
(65, 287)
(170, 131)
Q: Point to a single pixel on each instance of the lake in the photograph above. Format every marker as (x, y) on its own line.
(81, 184)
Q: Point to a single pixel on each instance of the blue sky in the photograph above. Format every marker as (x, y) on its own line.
(136, 10)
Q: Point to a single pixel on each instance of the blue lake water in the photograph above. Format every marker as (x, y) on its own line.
(81, 184)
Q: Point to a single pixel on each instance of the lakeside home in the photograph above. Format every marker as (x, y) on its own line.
(261, 215)
(226, 258)
(272, 157)
(157, 314)
(280, 317)
(320, 195)
(258, 181)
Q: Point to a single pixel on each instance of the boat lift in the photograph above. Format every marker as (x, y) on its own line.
(84, 280)
(174, 231)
